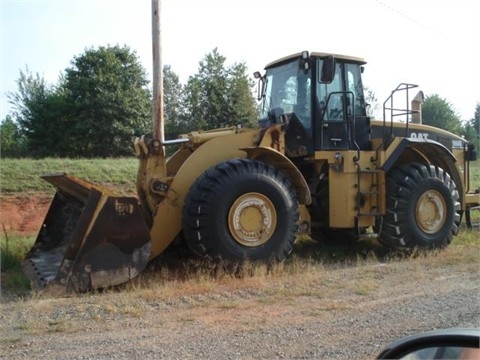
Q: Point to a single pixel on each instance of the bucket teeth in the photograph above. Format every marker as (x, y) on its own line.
(89, 239)
(42, 268)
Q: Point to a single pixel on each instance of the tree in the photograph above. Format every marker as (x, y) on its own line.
(11, 140)
(174, 109)
(371, 101)
(438, 112)
(244, 110)
(472, 128)
(476, 120)
(36, 107)
(219, 96)
(109, 101)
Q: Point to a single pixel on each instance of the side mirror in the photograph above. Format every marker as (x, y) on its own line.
(260, 86)
(436, 344)
(328, 70)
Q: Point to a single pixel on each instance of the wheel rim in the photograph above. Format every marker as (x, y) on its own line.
(431, 211)
(252, 219)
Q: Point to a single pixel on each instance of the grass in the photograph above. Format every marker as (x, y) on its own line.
(309, 266)
(304, 273)
(475, 174)
(333, 277)
(309, 261)
(12, 251)
(23, 175)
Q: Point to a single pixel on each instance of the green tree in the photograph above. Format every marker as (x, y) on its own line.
(12, 142)
(174, 110)
(36, 107)
(438, 112)
(472, 128)
(371, 100)
(476, 120)
(219, 96)
(109, 101)
(244, 110)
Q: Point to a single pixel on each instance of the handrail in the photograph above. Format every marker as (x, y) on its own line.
(395, 112)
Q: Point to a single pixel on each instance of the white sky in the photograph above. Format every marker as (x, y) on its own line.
(435, 44)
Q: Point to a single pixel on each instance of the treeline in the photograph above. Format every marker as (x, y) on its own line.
(438, 112)
(103, 100)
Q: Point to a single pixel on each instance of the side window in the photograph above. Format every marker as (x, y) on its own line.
(290, 94)
(329, 101)
(354, 85)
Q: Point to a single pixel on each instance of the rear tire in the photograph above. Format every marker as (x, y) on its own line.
(423, 208)
(239, 210)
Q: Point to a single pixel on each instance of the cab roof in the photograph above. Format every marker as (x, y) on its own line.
(347, 58)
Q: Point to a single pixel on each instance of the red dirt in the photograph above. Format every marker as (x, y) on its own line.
(23, 214)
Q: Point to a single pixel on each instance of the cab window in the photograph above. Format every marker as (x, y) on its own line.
(329, 98)
(354, 85)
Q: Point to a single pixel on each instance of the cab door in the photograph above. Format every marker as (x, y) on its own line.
(332, 128)
(341, 116)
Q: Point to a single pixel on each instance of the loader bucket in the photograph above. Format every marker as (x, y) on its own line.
(90, 238)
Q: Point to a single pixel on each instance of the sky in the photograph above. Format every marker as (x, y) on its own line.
(434, 44)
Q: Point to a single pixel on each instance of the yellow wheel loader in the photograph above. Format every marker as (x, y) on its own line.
(316, 164)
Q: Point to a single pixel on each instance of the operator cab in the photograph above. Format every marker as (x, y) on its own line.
(319, 97)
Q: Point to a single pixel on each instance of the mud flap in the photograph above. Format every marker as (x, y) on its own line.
(90, 239)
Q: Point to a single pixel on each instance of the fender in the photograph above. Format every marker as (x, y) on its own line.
(280, 161)
(167, 216)
(428, 152)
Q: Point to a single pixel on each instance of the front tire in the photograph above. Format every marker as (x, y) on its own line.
(239, 210)
(423, 208)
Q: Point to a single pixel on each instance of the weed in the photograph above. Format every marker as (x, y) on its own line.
(23, 325)
(228, 305)
(12, 251)
(56, 326)
(134, 310)
(365, 287)
(10, 340)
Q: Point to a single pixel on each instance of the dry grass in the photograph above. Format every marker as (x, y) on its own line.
(314, 275)
(335, 278)
(308, 270)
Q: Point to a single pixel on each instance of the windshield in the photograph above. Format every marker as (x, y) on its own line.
(287, 91)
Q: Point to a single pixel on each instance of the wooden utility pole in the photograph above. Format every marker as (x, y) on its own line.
(157, 111)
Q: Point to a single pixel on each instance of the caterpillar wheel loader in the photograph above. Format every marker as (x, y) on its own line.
(316, 164)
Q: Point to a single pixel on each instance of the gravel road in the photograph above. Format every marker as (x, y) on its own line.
(348, 312)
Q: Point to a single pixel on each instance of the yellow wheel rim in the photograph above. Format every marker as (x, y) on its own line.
(431, 211)
(252, 219)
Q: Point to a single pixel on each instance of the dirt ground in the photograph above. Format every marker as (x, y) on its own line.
(23, 214)
(343, 311)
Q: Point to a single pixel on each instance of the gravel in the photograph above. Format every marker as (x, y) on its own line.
(331, 320)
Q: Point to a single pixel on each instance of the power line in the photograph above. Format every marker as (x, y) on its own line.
(400, 13)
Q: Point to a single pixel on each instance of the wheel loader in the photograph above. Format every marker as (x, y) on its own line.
(316, 165)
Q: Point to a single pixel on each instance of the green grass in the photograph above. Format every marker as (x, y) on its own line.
(23, 175)
(12, 251)
(475, 174)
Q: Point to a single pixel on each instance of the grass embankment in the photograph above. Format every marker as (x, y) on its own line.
(23, 176)
(309, 257)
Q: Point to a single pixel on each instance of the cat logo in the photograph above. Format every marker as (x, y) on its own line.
(414, 135)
